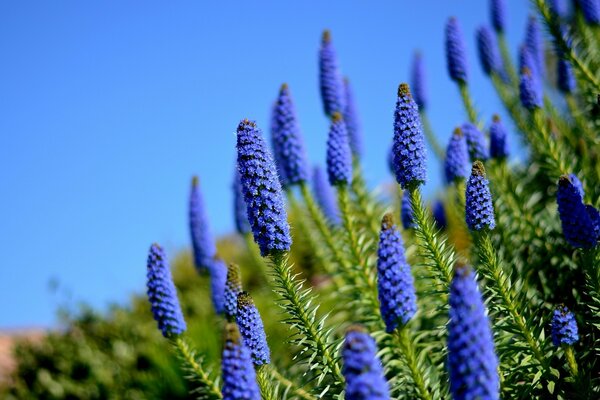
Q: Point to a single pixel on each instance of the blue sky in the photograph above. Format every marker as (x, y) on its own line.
(108, 108)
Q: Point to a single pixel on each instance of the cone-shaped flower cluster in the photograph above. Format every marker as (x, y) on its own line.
(565, 78)
(325, 196)
(339, 154)
(439, 215)
(580, 222)
(233, 287)
(162, 294)
(479, 211)
(252, 329)
(406, 212)
(578, 185)
(488, 51)
(395, 283)
(534, 42)
(418, 81)
(526, 60)
(288, 146)
(475, 142)
(472, 362)
(239, 377)
(558, 8)
(498, 141)
(218, 277)
(352, 120)
(530, 90)
(262, 191)
(239, 206)
(410, 157)
(456, 164)
(330, 78)
(564, 327)
(591, 11)
(203, 243)
(362, 368)
(498, 14)
(456, 53)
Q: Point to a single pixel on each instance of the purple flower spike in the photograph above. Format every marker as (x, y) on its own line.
(479, 210)
(218, 278)
(410, 157)
(580, 222)
(203, 243)
(395, 283)
(330, 78)
(352, 120)
(439, 215)
(362, 368)
(240, 214)
(498, 142)
(498, 14)
(325, 196)
(233, 287)
(564, 327)
(252, 329)
(591, 11)
(262, 191)
(565, 78)
(162, 294)
(239, 377)
(534, 41)
(288, 146)
(558, 8)
(530, 90)
(472, 361)
(419, 81)
(339, 154)
(475, 142)
(456, 53)
(488, 51)
(456, 164)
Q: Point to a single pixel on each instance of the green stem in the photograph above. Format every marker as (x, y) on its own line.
(571, 362)
(201, 377)
(403, 340)
(431, 137)
(468, 102)
(491, 268)
(264, 383)
(507, 60)
(303, 318)
(290, 385)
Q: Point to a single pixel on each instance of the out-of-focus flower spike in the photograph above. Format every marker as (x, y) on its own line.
(162, 294)
(262, 191)
(580, 223)
(288, 145)
(203, 244)
(419, 81)
(395, 283)
(439, 215)
(330, 78)
(498, 139)
(410, 157)
(565, 78)
(558, 8)
(218, 278)
(472, 361)
(498, 15)
(578, 185)
(456, 53)
(488, 51)
(362, 368)
(530, 90)
(564, 327)
(239, 377)
(591, 11)
(479, 210)
(476, 142)
(325, 196)
(252, 329)
(352, 120)
(406, 212)
(339, 154)
(456, 164)
(233, 287)
(239, 206)
(526, 59)
(534, 41)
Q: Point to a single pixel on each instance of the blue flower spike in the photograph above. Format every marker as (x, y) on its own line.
(498, 139)
(262, 191)
(479, 210)
(203, 243)
(580, 222)
(498, 15)
(406, 212)
(456, 52)
(352, 120)
(476, 142)
(162, 294)
(564, 327)
(456, 164)
(239, 376)
(418, 81)
(233, 287)
(325, 196)
(252, 329)
(330, 78)
(339, 154)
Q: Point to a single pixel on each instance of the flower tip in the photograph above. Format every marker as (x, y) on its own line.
(525, 71)
(195, 181)
(496, 118)
(478, 169)
(461, 268)
(233, 273)
(155, 246)
(337, 116)
(457, 131)
(564, 180)
(357, 327)
(244, 300)
(326, 38)
(284, 88)
(387, 221)
(245, 123)
(404, 90)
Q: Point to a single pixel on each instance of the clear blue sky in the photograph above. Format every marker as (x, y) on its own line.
(108, 108)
